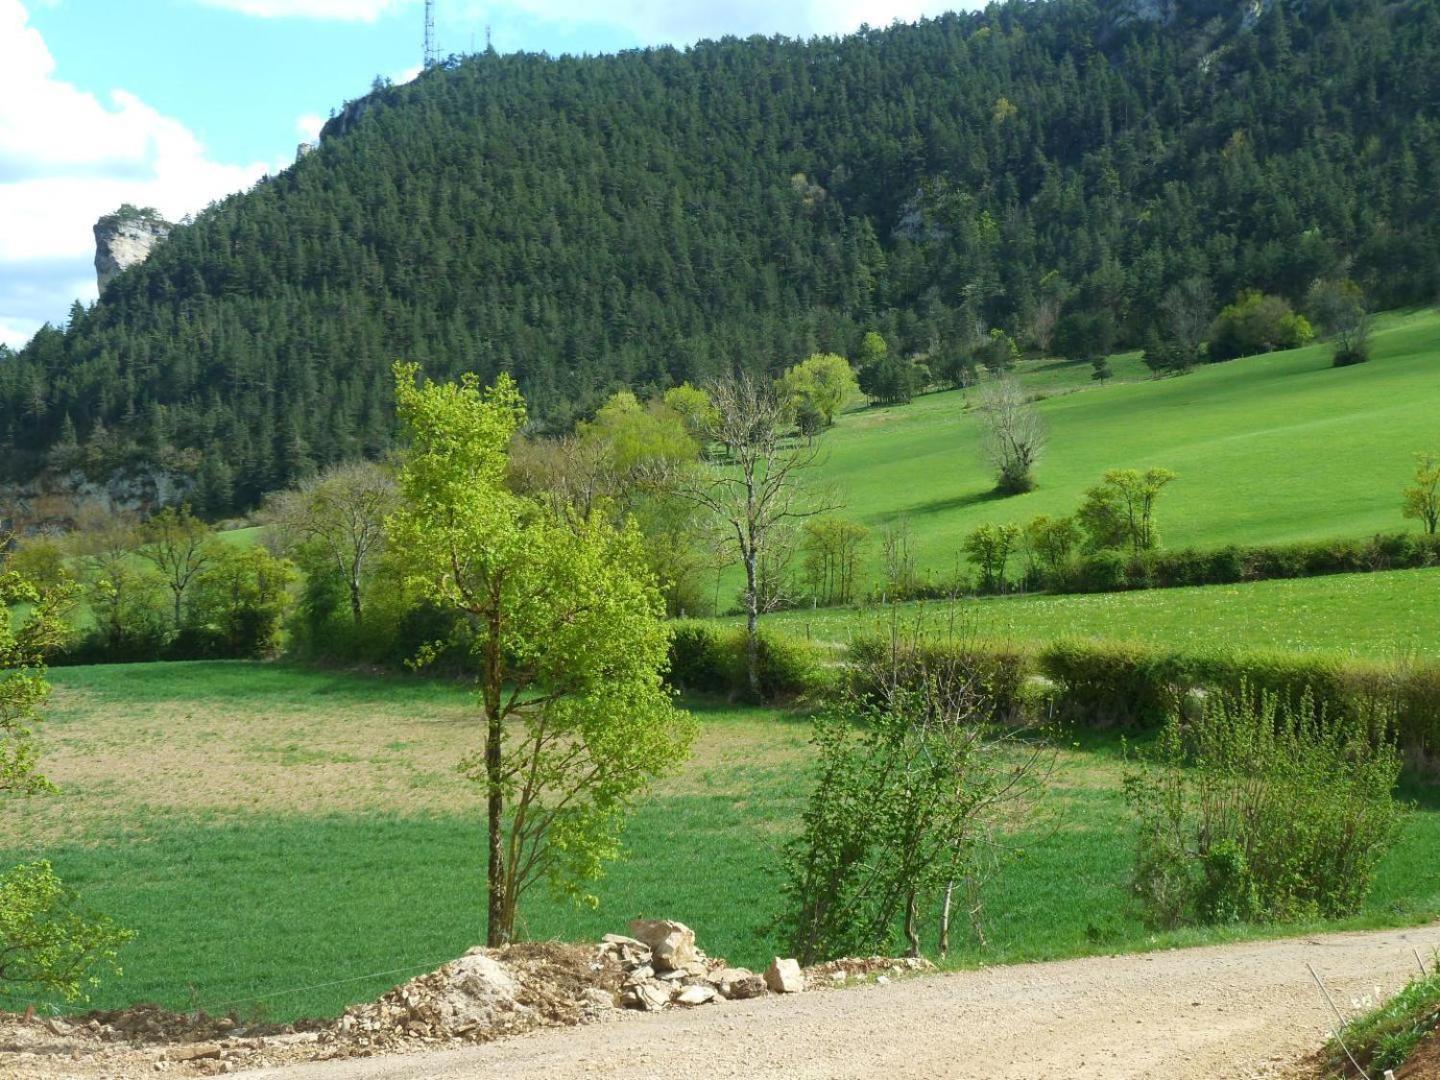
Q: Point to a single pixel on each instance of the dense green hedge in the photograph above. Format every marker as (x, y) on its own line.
(710, 659)
(1113, 571)
(1095, 683)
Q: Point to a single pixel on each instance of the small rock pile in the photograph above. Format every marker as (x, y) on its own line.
(663, 968)
(485, 994)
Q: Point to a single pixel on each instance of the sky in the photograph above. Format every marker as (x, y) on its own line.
(177, 103)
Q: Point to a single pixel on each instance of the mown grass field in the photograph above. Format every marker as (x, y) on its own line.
(1268, 449)
(288, 841)
(1381, 616)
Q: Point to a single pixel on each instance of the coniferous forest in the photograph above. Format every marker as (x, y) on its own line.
(665, 215)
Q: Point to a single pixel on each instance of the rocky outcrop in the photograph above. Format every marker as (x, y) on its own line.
(125, 239)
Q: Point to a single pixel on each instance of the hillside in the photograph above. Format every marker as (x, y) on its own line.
(663, 215)
(1268, 449)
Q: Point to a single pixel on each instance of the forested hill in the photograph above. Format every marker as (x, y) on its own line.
(662, 215)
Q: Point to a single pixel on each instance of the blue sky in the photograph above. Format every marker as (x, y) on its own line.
(175, 103)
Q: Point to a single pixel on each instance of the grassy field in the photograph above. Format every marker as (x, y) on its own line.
(289, 841)
(1271, 448)
(1382, 616)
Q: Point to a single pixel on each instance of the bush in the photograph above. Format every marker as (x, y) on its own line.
(1255, 808)
(918, 790)
(1112, 683)
(1101, 571)
(1351, 356)
(707, 659)
(999, 671)
(1256, 323)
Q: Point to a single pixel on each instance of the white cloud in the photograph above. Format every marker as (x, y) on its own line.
(67, 157)
(336, 10)
(664, 20)
(309, 126)
(16, 333)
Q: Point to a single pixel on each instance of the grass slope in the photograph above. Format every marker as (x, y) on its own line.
(1381, 616)
(1271, 448)
(290, 841)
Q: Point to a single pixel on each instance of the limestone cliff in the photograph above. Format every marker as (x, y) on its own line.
(125, 239)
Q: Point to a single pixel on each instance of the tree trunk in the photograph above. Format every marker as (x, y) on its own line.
(912, 931)
(498, 927)
(752, 627)
(355, 600)
(945, 919)
(179, 594)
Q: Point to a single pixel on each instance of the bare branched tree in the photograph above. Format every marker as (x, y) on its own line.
(756, 496)
(1187, 311)
(340, 516)
(1014, 435)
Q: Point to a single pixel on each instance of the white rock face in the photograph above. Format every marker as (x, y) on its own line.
(125, 239)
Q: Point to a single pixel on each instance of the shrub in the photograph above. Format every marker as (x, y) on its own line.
(917, 789)
(1256, 323)
(1258, 809)
(1101, 571)
(706, 659)
(1110, 683)
(998, 670)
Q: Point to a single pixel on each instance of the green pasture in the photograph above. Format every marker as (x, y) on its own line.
(249, 896)
(1268, 449)
(1382, 616)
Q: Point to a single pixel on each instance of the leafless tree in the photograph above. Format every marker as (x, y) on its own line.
(1014, 435)
(1188, 310)
(340, 515)
(756, 496)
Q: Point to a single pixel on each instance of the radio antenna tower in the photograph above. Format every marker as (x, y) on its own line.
(432, 55)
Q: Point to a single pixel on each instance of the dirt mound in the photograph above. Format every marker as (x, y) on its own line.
(485, 994)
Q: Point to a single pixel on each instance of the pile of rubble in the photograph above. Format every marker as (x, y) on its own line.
(662, 967)
(483, 995)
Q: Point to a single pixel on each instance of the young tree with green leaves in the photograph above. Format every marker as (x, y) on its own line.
(989, 547)
(831, 551)
(1051, 544)
(818, 388)
(568, 634)
(1422, 498)
(179, 546)
(1119, 512)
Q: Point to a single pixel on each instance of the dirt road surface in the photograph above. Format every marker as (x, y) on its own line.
(1236, 1011)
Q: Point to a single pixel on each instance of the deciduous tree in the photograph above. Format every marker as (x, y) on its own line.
(179, 546)
(569, 640)
(1120, 511)
(1013, 437)
(336, 520)
(1422, 498)
(758, 494)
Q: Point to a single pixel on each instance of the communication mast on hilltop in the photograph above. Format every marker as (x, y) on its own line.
(432, 55)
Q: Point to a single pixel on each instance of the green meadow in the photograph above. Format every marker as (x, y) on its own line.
(1268, 449)
(288, 841)
(1380, 616)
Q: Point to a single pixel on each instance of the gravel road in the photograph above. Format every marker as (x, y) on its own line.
(1234, 1011)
